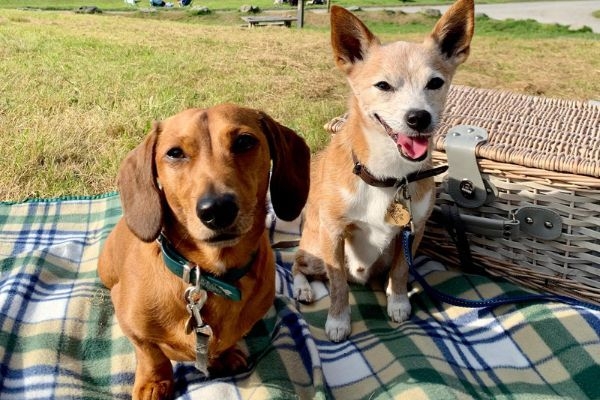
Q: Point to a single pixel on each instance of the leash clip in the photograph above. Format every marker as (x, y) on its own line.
(401, 184)
(407, 198)
(195, 298)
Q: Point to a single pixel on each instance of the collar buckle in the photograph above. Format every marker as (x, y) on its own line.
(187, 272)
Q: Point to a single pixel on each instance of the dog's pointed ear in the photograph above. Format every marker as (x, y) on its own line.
(140, 196)
(290, 176)
(350, 38)
(453, 32)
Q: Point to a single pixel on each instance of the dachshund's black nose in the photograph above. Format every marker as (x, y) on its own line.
(217, 212)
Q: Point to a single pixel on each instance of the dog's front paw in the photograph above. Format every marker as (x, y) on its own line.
(302, 290)
(153, 390)
(398, 307)
(230, 362)
(338, 328)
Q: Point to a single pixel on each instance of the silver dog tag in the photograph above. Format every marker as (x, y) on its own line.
(203, 334)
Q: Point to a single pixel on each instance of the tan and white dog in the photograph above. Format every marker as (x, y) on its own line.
(359, 200)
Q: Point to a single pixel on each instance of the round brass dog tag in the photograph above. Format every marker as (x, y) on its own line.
(397, 214)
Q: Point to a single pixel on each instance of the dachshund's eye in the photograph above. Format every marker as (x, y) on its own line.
(383, 86)
(243, 143)
(435, 83)
(175, 153)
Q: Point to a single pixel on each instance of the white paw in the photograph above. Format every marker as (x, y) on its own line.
(302, 290)
(398, 307)
(338, 328)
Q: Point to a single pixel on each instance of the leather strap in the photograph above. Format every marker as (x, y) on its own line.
(364, 174)
(456, 229)
(224, 285)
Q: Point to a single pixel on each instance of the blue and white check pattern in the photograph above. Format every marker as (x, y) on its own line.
(59, 338)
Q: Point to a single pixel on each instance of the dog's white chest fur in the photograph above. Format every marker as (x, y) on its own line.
(370, 239)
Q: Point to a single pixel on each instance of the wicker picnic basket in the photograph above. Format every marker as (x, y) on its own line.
(527, 198)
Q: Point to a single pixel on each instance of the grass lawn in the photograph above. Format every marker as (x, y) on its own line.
(79, 91)
(212, 4)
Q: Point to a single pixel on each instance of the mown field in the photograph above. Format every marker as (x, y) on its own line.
(79, 91)
(109, 5)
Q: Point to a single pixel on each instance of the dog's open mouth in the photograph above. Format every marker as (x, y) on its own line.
(413, 148)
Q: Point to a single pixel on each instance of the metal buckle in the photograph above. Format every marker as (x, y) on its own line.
(464, 181)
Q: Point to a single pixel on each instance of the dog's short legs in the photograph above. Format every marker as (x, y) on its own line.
(337, 325)
(153, 374)
(398, 304)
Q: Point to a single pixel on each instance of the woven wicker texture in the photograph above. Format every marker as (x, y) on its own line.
(552, 134)
(568, 265)
(541, 152)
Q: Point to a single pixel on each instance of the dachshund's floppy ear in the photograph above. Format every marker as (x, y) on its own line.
(140, 196)
(290, 177)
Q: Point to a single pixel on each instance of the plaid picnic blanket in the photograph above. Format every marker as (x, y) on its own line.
(59, 338)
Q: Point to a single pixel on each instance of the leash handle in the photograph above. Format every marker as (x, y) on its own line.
(407, 240)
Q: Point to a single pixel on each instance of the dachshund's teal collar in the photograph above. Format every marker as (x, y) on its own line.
(223, 285)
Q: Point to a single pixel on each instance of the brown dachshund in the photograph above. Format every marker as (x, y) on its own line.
(189, 266)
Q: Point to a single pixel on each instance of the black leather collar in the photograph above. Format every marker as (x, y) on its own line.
(364, 174)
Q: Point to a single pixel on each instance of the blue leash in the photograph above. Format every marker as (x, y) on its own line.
(407, 240)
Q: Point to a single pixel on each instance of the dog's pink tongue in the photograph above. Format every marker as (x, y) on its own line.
(413, 147)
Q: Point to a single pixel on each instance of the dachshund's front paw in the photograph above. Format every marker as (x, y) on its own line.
(153, 390)
(230, 362)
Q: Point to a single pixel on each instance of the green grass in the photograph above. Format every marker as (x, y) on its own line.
(109, 5)
(79, 91)
(112, 5)
(528, 28)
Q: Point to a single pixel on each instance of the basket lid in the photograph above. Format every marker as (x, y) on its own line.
(531, 131)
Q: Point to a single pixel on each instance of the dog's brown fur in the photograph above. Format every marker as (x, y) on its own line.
(197, 153)
(345, 236)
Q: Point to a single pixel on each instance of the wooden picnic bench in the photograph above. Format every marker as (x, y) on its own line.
(269, 20)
